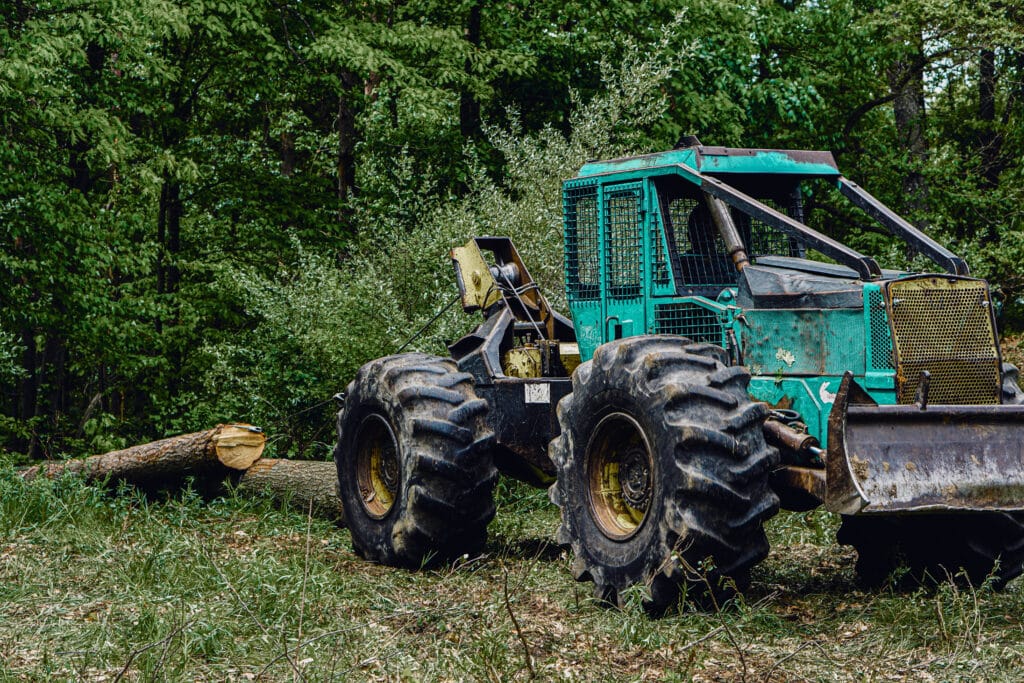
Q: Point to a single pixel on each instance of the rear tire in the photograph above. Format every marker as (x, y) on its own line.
(415, 474)
(1012, 394)
(662, 472)
(966, 547)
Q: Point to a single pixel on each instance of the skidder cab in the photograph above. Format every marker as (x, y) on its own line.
(723, 358)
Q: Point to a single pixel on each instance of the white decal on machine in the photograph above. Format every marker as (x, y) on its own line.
(538, 393)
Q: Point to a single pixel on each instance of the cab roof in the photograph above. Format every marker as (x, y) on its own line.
(723, 160)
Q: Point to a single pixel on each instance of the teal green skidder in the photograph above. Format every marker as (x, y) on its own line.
(722, 359)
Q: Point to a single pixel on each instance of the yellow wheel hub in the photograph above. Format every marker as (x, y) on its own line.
(619, 471)
(377, 465)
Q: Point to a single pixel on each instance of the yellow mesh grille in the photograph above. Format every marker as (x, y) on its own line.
(944, 325)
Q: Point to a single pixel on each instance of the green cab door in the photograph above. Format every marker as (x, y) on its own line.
(622, 219)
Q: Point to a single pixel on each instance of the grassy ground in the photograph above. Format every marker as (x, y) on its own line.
(99, 587)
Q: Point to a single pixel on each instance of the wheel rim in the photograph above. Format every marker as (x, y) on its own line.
(620, 474)
(377, 466)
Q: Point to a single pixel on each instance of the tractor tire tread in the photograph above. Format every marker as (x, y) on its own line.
(445, 494)
(711, 455)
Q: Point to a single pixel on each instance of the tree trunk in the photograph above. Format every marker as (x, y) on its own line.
(169, 235)
(29, 389)
(906, 79)
(469, 108)
(213, 457)
(301, 483)
(152, 465)
(345, 123)
(988, 141)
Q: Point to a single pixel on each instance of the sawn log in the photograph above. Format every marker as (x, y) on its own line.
(301, 482)
(219, 450)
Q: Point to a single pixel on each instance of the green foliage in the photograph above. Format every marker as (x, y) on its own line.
(217, 211)
(319, 320)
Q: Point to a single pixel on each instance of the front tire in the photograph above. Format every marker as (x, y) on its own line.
(967, 546)
(415, 473)
(1012, 394)
(662, 471)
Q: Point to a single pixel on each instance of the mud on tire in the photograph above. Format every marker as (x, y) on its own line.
(662, 471)
(415, 474)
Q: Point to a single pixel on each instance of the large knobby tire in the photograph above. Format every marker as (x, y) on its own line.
(1012, 394)
(967, 547)
(415, 472)
(662, 472)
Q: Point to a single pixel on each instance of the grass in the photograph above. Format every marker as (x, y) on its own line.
(101, 587)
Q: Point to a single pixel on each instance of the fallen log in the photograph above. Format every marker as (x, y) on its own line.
(308, 486)
(222, 449)
(224, 453)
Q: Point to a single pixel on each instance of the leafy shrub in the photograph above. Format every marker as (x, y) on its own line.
(321, 317)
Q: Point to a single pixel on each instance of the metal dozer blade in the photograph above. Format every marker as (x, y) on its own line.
(922, 458)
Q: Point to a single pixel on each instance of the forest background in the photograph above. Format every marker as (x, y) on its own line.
(216, 210)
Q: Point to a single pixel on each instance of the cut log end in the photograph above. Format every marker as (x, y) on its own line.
(238, 446)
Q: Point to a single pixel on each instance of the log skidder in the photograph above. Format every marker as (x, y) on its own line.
(662, 472)
(724, 359)
(414, 468)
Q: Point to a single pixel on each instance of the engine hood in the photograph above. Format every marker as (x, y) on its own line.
(783, 282)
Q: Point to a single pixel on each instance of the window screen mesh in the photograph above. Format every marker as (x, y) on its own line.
(623, 241)
(659, 255)
(762, 239)
(703, 256)
(582, 249)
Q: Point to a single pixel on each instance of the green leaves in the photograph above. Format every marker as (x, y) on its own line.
(209, 208)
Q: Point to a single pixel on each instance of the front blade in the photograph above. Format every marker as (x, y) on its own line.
(900, 458)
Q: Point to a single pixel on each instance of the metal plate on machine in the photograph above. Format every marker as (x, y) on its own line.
(537, 393)
(901, 458)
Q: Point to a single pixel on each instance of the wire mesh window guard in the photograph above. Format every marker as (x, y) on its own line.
(623, 242)
(703, 257)
(582, 248)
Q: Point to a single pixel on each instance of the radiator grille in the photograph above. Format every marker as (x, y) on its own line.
(688, 320)
(944, 325)
(881, 336)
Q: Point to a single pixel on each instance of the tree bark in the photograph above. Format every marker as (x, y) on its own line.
(223, 448)
(469, 108)
(906, 79)
(988, 141)
(302, 483)
(345, 123)
(225, 453)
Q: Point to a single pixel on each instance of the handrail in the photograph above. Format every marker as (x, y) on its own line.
(898, 226)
